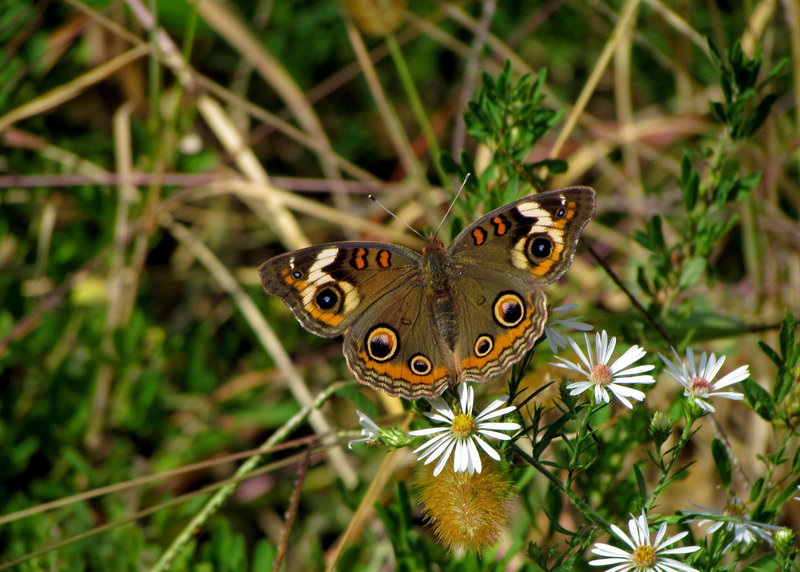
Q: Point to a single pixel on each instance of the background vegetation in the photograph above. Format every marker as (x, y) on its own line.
(153, 154)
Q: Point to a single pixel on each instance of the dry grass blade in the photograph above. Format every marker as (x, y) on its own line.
(626, 17)
(269, 340)
(66, 92)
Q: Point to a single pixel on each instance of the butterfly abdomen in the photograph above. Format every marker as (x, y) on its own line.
(437, 264)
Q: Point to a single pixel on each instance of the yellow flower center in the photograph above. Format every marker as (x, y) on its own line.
(735, 509)
(601, 374)
(644, 557)
(700, 385)
(463, 425)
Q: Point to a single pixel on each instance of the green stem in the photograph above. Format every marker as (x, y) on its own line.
(666, 478)
(579, 503)
(416, 105)
(576, 450)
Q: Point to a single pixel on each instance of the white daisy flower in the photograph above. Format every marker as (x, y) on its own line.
(696, 381)
(462, 432)
(369, 430)
(646, 556)
(555, 339)
(744, 530)
(604, 377)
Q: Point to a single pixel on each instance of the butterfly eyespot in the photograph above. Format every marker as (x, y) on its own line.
(508, 309)
(538, 246)
(297, 274)
(420, 365)
(561, 212)
(328, 298)
(381, 343)
(484, 345)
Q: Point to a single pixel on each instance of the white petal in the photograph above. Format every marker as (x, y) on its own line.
(618, 531)
(600, 394)
(443, 444)
(493, 407)
(626, 391)
(431, 444)
(675, 565)
(727, 395)
(662, 530)
(554, 339)
(579, 387)
(460, 457)
(499, 426)
(625, 567)
(441, 407)
(474, 457)
(702, 404)
(635, 379)
(587, 362)
(357, 442)
(635, 370)
(632, 354)
(467, 395)
(602, 549)
(608, 348)
(439, 418)
(366, 422)
(495, 434)
(713, 367)
(427, 431)
(487, 448)
(737, 375)
(566, 364)
(443, 461)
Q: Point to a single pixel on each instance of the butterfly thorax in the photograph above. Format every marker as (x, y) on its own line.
(437, 265)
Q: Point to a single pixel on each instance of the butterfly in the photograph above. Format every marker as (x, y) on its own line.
(414, 324)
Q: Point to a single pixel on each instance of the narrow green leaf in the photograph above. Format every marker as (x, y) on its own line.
(640, 483)
(771, 354)
(641, 280)
(718, 111)
(758, 115)
(723, 461)
(692, 271)
(786, 335)
(643, 239)
(759, 400)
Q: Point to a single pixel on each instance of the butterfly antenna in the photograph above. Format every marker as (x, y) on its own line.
(452, 203)
(408, 226)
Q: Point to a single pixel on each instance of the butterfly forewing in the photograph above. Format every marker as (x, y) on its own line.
(413, 324)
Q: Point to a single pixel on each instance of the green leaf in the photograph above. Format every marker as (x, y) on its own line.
(722, 460)
(758, 116)
(656, 232)
(759, 399)
(718, 111)
(772, 354)
(641, 280)
(786, 335)
(642, 238)
(640, 482)
(692, 271)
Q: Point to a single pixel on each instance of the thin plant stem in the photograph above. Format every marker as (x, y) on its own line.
(666, 478)
(579, 503)
(416, 105)
(249, 465)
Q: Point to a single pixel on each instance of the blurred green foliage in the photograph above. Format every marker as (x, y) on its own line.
(85, 404)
